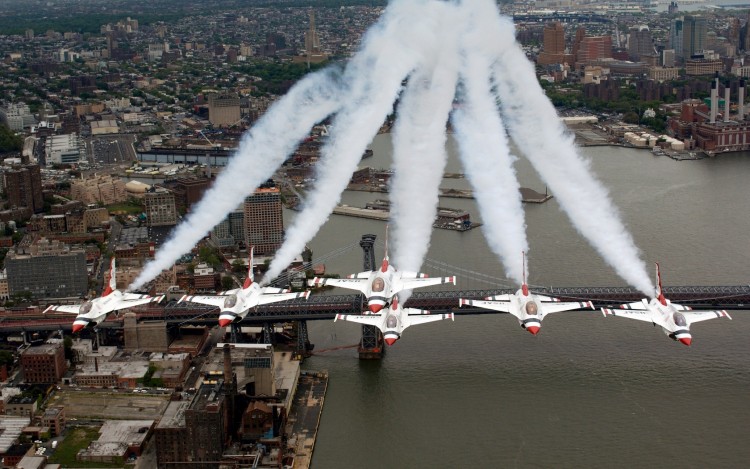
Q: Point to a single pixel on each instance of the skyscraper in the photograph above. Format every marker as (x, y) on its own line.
(675, 37)
(694, 32)
(554, 44)
(23, 187)
(264, 225)
(640, 42)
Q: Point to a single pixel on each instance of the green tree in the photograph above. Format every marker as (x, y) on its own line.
(227, 282)
(9, 141)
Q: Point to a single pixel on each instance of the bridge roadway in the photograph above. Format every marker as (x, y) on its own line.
(327, 306)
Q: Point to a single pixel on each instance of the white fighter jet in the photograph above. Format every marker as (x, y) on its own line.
(394, 320)
(674, 319)
(236, 303)
(381, 285)
(529, 308)
(95, 311)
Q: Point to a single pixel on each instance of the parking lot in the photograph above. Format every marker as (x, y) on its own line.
(111, 405)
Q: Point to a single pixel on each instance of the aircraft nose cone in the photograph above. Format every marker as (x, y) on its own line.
(224, 322)
(77, 327)
(533, 329)
(390, 340)
(686, 340)
(375, 308)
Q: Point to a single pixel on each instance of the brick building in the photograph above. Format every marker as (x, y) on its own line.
(43, 364)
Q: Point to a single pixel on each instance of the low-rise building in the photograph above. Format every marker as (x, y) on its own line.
(43, 364)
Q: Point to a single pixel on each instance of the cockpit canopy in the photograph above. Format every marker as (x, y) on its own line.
(378, 285)
(86, 308)
(391, 322)
(531, 308)
(679, 319)
(230, 301)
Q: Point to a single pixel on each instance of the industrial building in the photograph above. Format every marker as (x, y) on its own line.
(47, 269)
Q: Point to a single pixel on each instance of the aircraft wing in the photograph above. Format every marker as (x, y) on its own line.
(370, 320)
(129, 303)
(272, 290)
(361, 275)
(698, 316)
(422, 317)
(503, 297)
(641, 315)
(217, 301)
(72, 309)
(411, 283)
(360, 284)
(549, 308)
(681, 307)
(275, 297)
(503, 306)
(637, 305)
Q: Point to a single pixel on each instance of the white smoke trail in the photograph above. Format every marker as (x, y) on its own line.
(393, 48)
(419, 155)
(534, 125)
(486, 157)
(263, 149)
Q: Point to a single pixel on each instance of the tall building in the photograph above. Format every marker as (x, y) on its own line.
(675, 37)
(43, 364)
(223, 110)
(593, 48)
(264, 224)
(47, 269)
(554, 44)
(694, 32)
(207, 422)
(23, 187)
(640, 42)
(160, 207)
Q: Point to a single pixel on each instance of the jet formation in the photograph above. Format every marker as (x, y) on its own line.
(385, 310)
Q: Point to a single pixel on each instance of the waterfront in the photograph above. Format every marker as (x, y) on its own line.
(586, 392)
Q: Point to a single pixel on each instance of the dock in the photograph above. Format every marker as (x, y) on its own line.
(446, 218)
(304, 417)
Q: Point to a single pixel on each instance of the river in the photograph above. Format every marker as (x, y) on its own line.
(588, 391)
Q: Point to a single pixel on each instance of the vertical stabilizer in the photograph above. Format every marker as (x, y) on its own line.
(659, 292)
(250, 275)
(112, 285)
(524, 287)
(384, 266)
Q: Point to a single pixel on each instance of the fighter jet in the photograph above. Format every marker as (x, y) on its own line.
(529, 308)
(394, 320)
(381, 285)
(236, 303)
(674, 319)
(95, 311)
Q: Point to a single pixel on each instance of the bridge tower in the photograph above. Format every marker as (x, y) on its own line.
(371, 345)
(304, 347)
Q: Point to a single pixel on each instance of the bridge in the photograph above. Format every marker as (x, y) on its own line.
(321, 306)
(562, 17)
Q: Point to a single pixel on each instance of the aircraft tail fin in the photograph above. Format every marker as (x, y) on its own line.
(384, 266)
(112, 284)
(659, 291)
(250, 274)
(524, 287)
